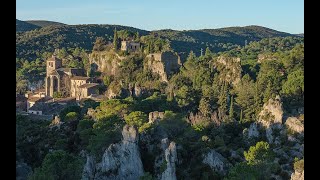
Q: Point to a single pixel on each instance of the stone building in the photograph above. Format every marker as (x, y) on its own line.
(67, 80)
(164, 63)
(58, 78)
(86, 90)
(130, 46)
(77, 81)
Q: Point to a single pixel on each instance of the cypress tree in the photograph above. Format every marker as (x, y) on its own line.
(231, 109)
(115, 39)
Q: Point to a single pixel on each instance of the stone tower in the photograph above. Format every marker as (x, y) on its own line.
(53, 78)
(53, 63)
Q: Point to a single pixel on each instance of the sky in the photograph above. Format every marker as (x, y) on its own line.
(281, 15)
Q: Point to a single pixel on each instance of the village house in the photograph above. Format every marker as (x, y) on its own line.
(130, 46)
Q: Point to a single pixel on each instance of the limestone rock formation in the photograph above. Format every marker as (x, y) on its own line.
(297, 175)
(272, 112)
(155, 116)
(120, 161)
(229, 68)
(253, 131)
(216, 161)
(166, 161)
(163, 63)
(294, 124)
(105, 61)
(271, 117)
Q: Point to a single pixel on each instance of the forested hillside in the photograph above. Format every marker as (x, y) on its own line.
(168, 111)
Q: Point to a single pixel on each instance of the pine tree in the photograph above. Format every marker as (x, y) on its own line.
(137, 36)
(208, 52)
(231, 109)
(115, 39)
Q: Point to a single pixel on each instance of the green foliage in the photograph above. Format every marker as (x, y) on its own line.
(105, 132)
(71, 116)
(59, 165)
(146, 176)
(107, 80)
(113, 107)
(155, 44)
(299, 165)
(259, 163)
(57, 95)
(231, 113)
(242, 170)
(65, 111)
(245, 92)
(258, 153)
(115, 40)
(295, 84)
(136, 118)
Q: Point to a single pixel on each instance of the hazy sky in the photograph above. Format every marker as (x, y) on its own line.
(281, 15)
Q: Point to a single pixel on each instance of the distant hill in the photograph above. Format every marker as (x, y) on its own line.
(22, 26)
(43, 23)
(47, 38)
(217, 39)
(300, 35)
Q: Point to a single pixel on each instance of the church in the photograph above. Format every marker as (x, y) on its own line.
(70, 81)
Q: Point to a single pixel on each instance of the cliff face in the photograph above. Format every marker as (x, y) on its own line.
(120, 161)
(105, 61)
(229, 68)
(166, 161)
(217, 162)
(271, 117)
(164, 64)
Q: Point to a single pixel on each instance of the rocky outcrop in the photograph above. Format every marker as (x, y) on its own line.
(155, 116)
(165, 164)
(271, 113)
(229, 68)
(56, 122)
(217, 162)
(294, 124)
(120, 161)
(266, 57)
(164, 64)
(253, 131)
(104, 61)
(297, 175)
(271, 118)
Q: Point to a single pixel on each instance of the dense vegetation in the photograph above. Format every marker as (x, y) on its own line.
(32, 43)
(207, 104)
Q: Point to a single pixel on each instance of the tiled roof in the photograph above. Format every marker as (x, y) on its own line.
(80, 78)
(88, 85)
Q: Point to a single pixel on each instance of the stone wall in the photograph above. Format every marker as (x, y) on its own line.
(164, 64)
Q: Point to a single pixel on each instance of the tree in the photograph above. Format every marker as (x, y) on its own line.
(259, 153)
(107, 80)
(136, 118)
(137, 36)
(100, 44)
(231, 109)
(115, 39)
(245, 92)
(208, 52)
(205, 107)
(294, 85)
(58, 165)
(71, 116)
